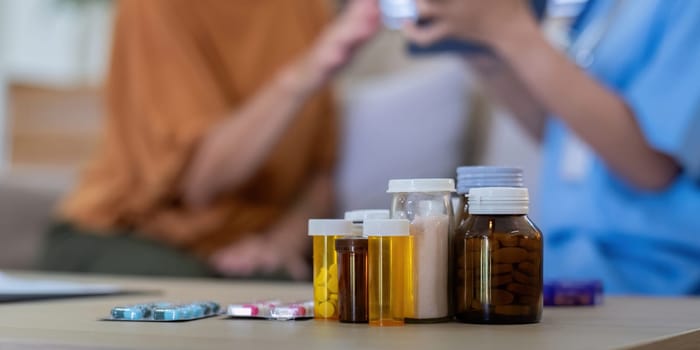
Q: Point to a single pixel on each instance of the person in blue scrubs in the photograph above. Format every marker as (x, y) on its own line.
(619, 117)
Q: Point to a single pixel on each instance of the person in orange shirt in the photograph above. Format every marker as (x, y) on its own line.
(220, 139)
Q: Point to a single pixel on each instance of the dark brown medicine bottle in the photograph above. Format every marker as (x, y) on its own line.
(352, 279)
(498, 252)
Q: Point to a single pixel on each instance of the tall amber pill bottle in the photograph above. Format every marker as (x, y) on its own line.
(389, 249)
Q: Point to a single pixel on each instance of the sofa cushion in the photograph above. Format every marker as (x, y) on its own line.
(27, 200)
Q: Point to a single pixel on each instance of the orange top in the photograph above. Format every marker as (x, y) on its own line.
(178, 67)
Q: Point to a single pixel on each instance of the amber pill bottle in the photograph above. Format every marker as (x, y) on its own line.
(498, 253)
(352, 279)
(325, 262)
(389, 249)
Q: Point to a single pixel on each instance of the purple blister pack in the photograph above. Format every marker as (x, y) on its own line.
(573, 293)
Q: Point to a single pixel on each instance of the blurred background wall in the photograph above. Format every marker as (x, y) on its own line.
(60, 43)
(53, 55)
(3, 85)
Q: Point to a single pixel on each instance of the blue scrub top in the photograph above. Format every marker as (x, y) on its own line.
(597, 226)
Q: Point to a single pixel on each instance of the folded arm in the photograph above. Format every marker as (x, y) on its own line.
(233, 150)
(596, 114)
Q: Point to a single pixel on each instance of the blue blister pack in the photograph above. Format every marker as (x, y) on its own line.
(165, 312)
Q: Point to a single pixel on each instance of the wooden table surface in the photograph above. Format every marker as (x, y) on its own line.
(643, 323)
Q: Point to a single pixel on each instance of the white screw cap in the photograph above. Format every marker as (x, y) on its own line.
(499, 201)
(330, 227)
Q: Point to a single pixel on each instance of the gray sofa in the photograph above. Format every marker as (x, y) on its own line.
(27, 200)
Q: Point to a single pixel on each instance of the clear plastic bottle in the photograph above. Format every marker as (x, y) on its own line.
(498, 270)
(389, 254)
(427, 204)
(325, 261)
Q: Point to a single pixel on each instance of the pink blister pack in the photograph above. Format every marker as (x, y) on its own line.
(272, 310)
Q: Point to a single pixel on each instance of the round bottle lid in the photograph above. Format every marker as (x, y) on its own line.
(386, 228)
(421, 185)
(488, 176)
(485, 169)
(330, 227)
(499, 201)
(368, 214)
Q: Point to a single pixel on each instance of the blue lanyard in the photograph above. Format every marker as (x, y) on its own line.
(582, 49)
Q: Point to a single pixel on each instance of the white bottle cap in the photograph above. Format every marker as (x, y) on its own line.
(499, 201)
(421, 185)
(369, 214)
(330, 228)
(386, 228)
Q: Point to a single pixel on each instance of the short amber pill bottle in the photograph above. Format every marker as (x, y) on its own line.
(352, 279)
